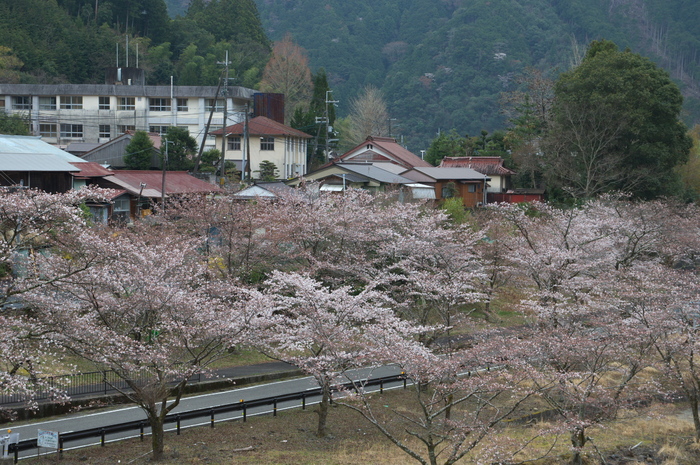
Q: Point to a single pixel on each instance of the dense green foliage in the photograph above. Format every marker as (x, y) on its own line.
(139, 152)
(65, 41)
(443, 64)
(311, 120)
(616, 126)
(13, 124)
(268, 171)
(180, 148)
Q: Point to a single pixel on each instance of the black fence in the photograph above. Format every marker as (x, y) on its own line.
(209, 412)
(76, 385)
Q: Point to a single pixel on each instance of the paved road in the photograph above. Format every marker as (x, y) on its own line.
(78, 421)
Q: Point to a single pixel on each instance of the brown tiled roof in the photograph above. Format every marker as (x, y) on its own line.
(484, 165)
(389, 145)
(262, 126)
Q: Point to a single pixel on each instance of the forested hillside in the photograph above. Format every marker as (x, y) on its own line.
(56, 41)
(443, 64)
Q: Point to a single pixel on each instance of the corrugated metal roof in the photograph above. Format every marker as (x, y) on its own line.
(458, 174)
(375, 173)
(253, 192)
(29, 153)
(176, 182)
(91, 169)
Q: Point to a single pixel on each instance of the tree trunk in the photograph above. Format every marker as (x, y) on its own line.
(323, 411)
(157, 435)
(578, 440)
(694, 401)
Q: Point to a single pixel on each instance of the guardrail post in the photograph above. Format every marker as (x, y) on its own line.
(303, 401)
(15, 452)
(102, 437)
(60, 446)
(245, 411)
(141, 425)
(178, 425)
(212, 418)
(381, 386)
(274, 407)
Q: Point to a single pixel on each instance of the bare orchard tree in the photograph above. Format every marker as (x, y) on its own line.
(581, 151)
(369, 115)
(455, 403)
(288, 73)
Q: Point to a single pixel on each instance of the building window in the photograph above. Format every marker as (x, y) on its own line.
(22, 102)
(159, 104)
(123, 128)
(218, 105)
(47, 103)
(182, 104)
(47, 130)
(127, 103)
(234, 143)
(449, 190)
(267, 143)
(472, 188)
(2, 102)
(71, 102)
(72, 131)
(104, 131)
(162, 130)
(121, 210)
(104, 103)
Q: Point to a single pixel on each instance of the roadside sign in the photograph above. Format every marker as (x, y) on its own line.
(47, 439)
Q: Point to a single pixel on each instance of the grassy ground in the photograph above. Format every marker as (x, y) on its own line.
(661, 435)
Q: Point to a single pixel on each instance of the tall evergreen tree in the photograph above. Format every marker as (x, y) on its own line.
(139, 152)
(616, 127)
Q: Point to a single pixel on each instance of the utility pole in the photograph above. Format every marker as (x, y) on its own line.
(245, 169)
(390, 120)
(327, 121)
(224, 92)
(165, 164)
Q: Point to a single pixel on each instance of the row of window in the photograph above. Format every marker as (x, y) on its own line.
(24, 102)
(76, 130)
(266, 143)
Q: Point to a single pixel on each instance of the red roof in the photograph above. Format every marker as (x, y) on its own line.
(485, 165)
(262, 126)
(400, 155)
(176, 182)
(90, 169)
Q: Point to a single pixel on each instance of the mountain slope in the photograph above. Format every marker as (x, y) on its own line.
(443, 64)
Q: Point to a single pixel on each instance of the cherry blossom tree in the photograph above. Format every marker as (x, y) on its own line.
(32, 223)
(457, 401)
(432, 270)
(589, 353)
(323, 331)
(148, 311)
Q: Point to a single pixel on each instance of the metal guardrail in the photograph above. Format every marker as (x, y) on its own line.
(210, 412)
